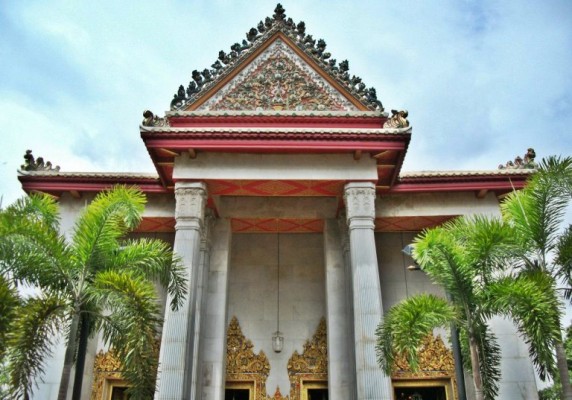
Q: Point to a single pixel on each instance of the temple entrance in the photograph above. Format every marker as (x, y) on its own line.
(237, 394)
(421, 393)
(315, 391)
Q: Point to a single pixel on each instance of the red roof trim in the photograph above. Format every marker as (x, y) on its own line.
(326, 121)
(272, 145)
(87, 184)
(457, 185)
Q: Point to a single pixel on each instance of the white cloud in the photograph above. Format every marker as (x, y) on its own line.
(482, 80)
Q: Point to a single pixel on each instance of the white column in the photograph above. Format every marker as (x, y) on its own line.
(339, 371)
(213, 375)
(372, 383)
(345, 247)
(177, 342)
(200, 306)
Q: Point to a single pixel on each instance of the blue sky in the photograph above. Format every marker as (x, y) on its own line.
(482, 80)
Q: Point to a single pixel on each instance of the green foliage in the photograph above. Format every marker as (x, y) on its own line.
(406, 325)
(550, 393)
(470, 258)
(98, 276)
(9, 303)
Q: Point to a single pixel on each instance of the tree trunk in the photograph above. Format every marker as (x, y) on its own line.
(81, 353)
(563, 371)
(476, 367)
(69, 358)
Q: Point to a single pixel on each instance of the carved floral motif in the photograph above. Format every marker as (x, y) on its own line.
(106, 366)
(360, 202)
(312, 364)
(190, 202)
(278, 79)
(241, 362)
(435, 361)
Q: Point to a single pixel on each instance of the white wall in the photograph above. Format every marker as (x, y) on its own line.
(252, 294)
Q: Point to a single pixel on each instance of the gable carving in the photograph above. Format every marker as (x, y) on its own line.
(278, 79)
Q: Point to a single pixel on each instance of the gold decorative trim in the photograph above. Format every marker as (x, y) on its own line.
(312, 364)
(436, 368)
(242, 365)
(106, 368)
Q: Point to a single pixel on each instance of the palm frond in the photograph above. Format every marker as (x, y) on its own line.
(35, 208)
(31, 340)
(153, 259)
(563, 261)
(31, 247)
(531, 301)
(490, 354)
(538, 210)
(9, 303)
(405, 326)
(108, 218)
(440, 255)
(131, 326)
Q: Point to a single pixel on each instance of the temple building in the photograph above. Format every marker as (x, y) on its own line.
(279, 184)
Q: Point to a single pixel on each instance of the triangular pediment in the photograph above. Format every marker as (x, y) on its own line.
(278, 79)
(277, 67)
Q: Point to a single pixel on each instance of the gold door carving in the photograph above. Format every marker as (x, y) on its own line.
(435, 365)
(242, 365)
(106, 368)
(311, 365)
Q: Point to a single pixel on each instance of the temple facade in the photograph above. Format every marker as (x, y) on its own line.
(279, 184)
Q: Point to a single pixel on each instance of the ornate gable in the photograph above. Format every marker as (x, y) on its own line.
(277, 67)
(278, 79)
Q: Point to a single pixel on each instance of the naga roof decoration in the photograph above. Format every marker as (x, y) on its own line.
(31, 164)
(262, 85)
(526, 162)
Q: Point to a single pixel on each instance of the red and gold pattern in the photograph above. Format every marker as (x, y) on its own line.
(267, 225)
(156, 224)
(275, 188)
(410, 224)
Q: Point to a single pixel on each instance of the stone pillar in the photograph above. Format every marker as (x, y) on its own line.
(213, 374)
(177, 343)
(345, 247)
(371, 382)
(339, 371)
(200, 306)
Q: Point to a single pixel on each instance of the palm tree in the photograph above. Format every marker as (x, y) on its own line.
(97, 281)
(465, 257)
(537, 213)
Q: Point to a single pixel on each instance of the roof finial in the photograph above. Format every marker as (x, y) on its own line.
(522, 163)
(398, 119)
(31, 164)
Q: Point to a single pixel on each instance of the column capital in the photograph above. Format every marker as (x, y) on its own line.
(359, 198)
(190, 204)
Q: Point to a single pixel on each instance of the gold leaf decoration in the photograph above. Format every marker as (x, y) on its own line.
(312, 364)
(242, 364)
(105, 367)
